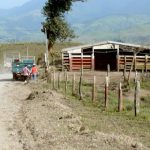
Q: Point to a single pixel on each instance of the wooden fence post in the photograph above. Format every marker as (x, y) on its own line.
(136, 76)
(49, 77)
(108, 69)
(94, 89)
(65, 74)
(106, 92)
(148, 74)
(54, 79)
(142, 75)
(66, 82)
(120, 104)
(129, 75)
(51, 74)
(137, 98)
(80, 84)
(124, 74)
(73, 84)
(135, 61)
(59, 80)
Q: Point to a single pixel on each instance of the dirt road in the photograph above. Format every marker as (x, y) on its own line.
(33, 118)
(10, 104)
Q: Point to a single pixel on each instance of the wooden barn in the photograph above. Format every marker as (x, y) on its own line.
(96, 56)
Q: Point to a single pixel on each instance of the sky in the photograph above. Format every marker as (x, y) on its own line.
(6, 4)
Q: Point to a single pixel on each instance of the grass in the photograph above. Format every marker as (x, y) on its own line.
(145, 84)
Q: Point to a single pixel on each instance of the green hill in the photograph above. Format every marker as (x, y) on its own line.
(93, 20)
(116, 27)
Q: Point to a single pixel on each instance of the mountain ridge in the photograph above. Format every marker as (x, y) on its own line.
(93, 20)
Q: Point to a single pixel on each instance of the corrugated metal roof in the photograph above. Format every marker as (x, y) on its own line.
(103, 43)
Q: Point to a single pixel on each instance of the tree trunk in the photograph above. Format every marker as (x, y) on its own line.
(50, 51)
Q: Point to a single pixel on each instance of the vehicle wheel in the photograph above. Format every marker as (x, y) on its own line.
(14, 77)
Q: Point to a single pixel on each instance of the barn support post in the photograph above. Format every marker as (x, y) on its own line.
(70, 62)
(124, 71)
(118, 59)
(82, 59)
(93, 60)
(62, 61)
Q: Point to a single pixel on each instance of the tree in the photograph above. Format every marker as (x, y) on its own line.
(55, 25)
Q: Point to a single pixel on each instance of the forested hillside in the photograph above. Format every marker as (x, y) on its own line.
(92, 20)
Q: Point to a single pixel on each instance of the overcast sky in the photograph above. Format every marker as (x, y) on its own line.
(5, 4)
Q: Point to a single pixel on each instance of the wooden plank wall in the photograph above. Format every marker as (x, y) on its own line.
(65, 61)
(138, 62)
(75, 61)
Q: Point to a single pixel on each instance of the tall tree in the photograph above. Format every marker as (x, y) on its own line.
(55, 25)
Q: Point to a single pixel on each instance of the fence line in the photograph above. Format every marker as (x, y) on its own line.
(69, 82)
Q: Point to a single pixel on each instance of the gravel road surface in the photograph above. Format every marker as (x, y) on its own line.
(10, 103)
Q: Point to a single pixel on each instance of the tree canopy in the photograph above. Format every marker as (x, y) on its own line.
(55, 24)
